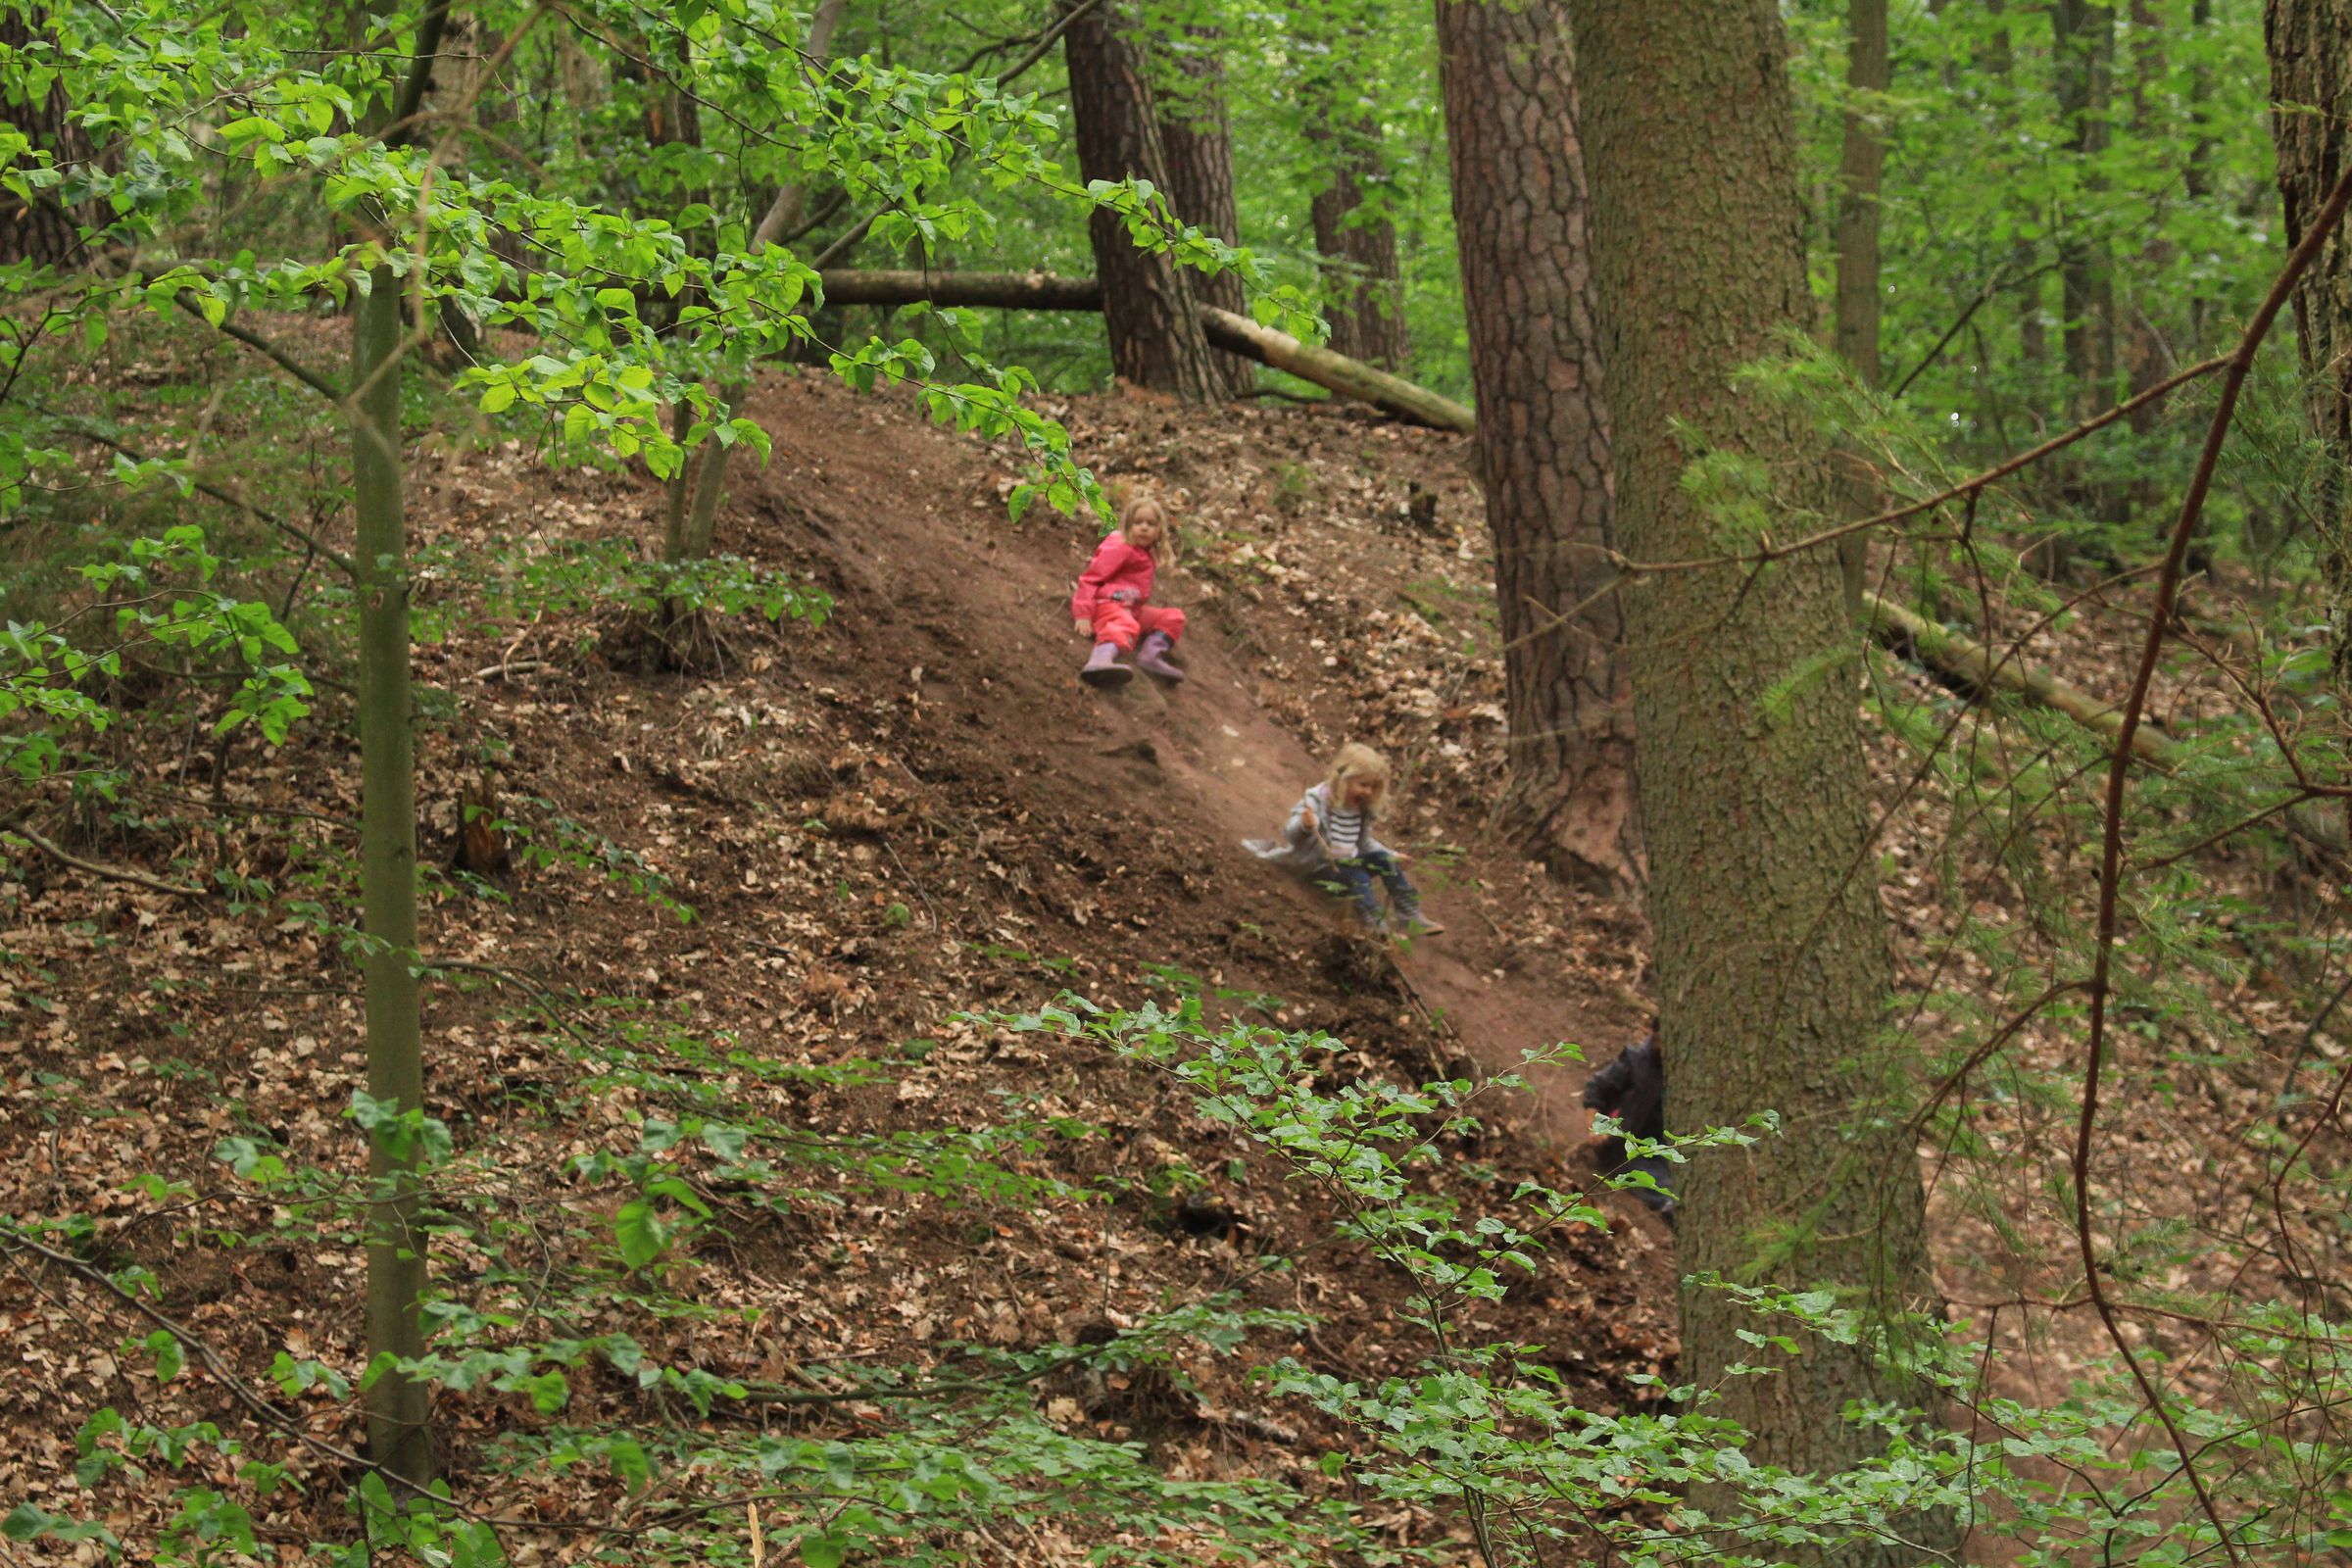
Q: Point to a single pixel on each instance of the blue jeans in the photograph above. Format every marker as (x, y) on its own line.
(1355, 877)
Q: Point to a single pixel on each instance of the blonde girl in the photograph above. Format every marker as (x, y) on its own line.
(1329, 836)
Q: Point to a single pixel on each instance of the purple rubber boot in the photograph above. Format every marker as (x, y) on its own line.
(1104, 669)
(1152, 657)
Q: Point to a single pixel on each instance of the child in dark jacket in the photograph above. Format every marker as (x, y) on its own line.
(1110, 605)
(1633, 1089)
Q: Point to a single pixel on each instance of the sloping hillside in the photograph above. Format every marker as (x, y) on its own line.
(913, 812)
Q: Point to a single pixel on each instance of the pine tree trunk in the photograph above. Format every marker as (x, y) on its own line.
(1147, 310)
(1542, 430)
(1363, 287)
(398, 1436)
(2310, 44)
(45, 231)
(1196, 136)
(1772, 955)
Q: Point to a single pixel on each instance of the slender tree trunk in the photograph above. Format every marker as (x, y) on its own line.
(1363, 287)
(46, 229)
(1149, 312)
(1859, 172)
(1772, 954)
(1861, 165)
(2310, 44)
(399, 1407)
(398, 1436)
(702, 481)
(2084, 36)
(1197, 136)
(1542, 430)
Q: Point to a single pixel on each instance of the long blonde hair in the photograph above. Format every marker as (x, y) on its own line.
(1357, 760)
(1142, 506)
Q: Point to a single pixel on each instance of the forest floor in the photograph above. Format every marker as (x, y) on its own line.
(911, 811)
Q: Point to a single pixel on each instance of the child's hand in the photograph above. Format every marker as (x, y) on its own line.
(1086, 628)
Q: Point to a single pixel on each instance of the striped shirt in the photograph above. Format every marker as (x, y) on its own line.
(1343, 831)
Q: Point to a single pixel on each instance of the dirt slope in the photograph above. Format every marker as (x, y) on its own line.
(909, 814)
(911, 524)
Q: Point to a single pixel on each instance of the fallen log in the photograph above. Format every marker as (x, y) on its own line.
(1019, 291)
(1335, 372)
(1963, 657)
(1232, 333)
(1971, 662)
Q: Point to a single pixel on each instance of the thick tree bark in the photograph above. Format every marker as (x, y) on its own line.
(44, 230)
(1519, 211)
(1149, 312)
(398, 1436)
(2310, 44)
(1363, 286)
(1771, 955)
(1196, 136)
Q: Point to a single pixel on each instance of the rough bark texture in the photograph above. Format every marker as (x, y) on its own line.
(1771, 949)
(1149, 313)
(1363, 289)
(1519, 209)
(1198, 139)
(46, 229)
(398, 1436)
(2310, 86)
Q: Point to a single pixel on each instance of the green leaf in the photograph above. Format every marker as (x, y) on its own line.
(823, 1551)
(640, 1233)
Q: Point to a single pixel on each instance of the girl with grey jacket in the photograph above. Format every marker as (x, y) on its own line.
(1329, 837)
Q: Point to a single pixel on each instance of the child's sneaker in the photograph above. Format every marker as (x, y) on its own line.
(1413, 923)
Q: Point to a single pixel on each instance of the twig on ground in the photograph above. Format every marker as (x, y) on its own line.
(112, 873)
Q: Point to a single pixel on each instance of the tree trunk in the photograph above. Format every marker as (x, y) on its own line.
(1859, 170)
(1147, 310)
(398, 1436)
(46, 229)
(1363, 287)
(2310, 43)
(1196, 136)
(701, 483)
(1544, 434)
(1860, 167)
(2084, 37)
(1772, 955)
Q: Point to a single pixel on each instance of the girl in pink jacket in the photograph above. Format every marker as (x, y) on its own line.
(1110, 603)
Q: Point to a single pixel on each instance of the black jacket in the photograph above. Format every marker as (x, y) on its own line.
(1631, 1089)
